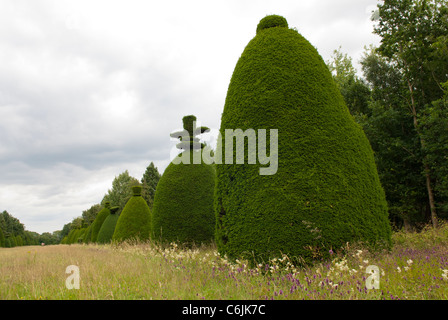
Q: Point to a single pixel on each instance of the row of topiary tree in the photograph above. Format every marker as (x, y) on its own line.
(182, 211)
(100, 231)
(325, 193)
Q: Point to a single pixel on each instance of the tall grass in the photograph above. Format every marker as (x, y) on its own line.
(416, 268)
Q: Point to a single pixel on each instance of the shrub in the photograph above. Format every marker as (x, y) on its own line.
(88, 235)
(326, 191)
(72, 236)
(108, 227)
(134, 221)
(183, 202)
(98, 222)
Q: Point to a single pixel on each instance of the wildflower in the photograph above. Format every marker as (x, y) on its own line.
(398, 269)
(331, 251)
(445, 274)
(409, 262)
(366, 261)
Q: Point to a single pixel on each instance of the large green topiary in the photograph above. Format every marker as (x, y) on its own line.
(183, 202)
(326, 190)
(108, 227)
(88, 235)
(98, 222)
(134, 222)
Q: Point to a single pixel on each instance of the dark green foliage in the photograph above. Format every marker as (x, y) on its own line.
(135, 219)
(88, 235)
(90, 214)
(73, 236)
(96, 225)
(183, 204)
(107, 229)
(434, 127)
(272, 21)
(188, 140)
(326, 191)
(121, 190)
(2, 238)
(19, 241)
(149, 183)
(10, 225)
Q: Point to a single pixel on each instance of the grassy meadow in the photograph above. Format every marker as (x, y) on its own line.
(416, 268)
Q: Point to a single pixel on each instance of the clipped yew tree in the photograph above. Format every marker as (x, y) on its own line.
(134, 222)
(108, 227)
(324, 190)
(98, 222)
(183, 202)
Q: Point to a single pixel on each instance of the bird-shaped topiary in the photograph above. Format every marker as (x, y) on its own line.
(183, 202)
(326, 191)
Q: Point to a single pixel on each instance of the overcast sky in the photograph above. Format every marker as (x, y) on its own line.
(91, 88)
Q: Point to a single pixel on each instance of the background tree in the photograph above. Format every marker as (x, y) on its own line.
(149, 183)
(121, 190)
(411, 32)
(2, 238)
(10, 225)
(354, 89)
(90, 214)
(390, 130)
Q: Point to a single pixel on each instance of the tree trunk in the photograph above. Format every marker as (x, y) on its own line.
(432, 204)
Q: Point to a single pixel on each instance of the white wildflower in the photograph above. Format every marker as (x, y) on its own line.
(398, 269)
(409, 262)
(445, 274)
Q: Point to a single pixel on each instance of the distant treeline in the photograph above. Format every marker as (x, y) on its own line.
(13, 233)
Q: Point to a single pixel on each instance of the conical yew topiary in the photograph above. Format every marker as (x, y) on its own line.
(107, 229)
(183, 202)
(325, 190)
(134, 222)
(98, 222)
